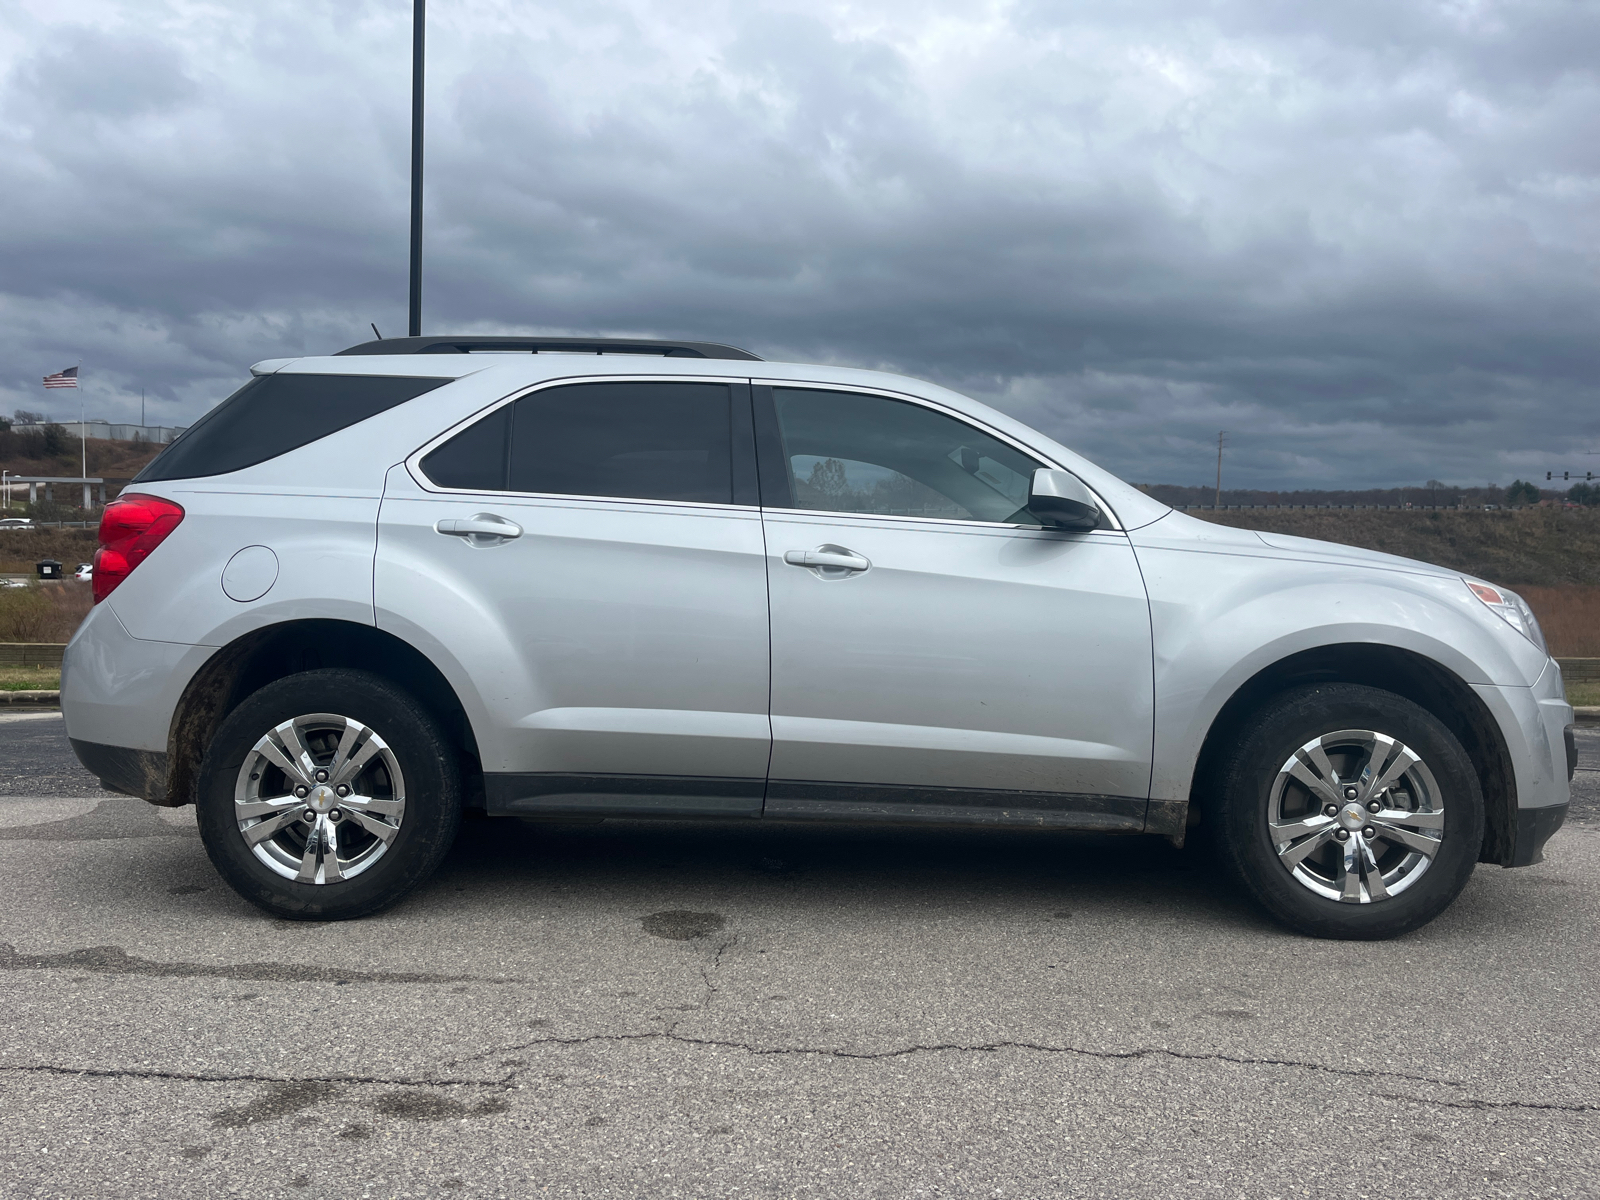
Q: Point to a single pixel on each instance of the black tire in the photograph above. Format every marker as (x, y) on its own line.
(431, 792)
(1242, 796)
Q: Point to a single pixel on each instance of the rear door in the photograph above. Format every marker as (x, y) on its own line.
(586, 563)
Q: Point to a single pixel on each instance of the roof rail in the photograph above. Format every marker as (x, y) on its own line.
(560, 345)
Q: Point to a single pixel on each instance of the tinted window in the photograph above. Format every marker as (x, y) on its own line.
(646, 441)
(274, 414)
(866, 454)
(475, 459)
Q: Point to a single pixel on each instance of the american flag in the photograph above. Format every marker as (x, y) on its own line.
(67, 378)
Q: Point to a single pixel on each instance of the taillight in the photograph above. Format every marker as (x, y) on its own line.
(130, 528)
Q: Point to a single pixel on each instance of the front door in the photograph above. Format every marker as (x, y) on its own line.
(585, 565)
(936, 653)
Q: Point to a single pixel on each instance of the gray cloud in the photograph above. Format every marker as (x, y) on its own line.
(1362, 239)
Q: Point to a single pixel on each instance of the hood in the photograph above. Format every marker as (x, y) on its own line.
(1181, 530)
(1301, 547)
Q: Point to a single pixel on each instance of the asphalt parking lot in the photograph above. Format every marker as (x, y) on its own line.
(719, 1010)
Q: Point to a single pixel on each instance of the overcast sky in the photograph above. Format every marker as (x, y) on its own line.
(1362, 236)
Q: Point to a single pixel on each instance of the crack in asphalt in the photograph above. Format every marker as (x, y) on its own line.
(777, 1051)
(221, 1077)
(706, 973)
(114, 960)
(1482, 1105)
(958, 1048)
(508, 1080)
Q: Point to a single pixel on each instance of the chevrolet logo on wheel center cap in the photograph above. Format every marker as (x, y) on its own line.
(323, 798)
(1353, 817)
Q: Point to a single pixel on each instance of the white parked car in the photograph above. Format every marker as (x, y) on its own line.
(84, 572)
(672, 580)
(16, 525)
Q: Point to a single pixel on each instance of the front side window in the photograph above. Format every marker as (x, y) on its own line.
(628, 440)
(848, 452)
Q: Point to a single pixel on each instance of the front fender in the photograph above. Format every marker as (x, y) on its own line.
(1223, 613)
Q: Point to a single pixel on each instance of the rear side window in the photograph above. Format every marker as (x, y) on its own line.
(274, 414)
(628, 440)
(475, 459)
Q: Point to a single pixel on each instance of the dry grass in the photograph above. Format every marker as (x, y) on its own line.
(28, 454)
(1537, 547)
(46, 612)
(29, 679)
(1585, 695)
(1570, 618)
(19, 552)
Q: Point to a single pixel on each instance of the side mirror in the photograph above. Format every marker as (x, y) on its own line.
(1059, 500)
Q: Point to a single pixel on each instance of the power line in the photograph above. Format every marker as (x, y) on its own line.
(1222, 440)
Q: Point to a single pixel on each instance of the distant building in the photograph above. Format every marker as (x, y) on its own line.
(159, 434)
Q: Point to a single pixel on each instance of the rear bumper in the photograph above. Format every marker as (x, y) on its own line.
(141, 773)
(118, 694)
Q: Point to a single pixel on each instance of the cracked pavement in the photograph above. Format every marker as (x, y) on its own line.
(734, 1010)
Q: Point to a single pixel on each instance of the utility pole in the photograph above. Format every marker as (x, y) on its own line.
(1222, 440)
(418, 58)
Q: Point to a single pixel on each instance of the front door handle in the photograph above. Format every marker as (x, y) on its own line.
(480, 529)
(828, 561)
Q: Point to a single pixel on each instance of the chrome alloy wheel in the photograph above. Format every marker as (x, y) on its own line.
(1356, 816)
(320, 798)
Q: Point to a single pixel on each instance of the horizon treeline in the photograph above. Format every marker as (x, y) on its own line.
(1433, 494)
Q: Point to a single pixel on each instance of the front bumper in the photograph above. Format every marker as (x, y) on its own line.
(1536, 724)
(1534, 827)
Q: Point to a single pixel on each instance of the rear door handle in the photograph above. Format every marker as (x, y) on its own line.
(830, 562)
(480, 529)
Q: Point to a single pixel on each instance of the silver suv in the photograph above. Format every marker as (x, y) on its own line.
(544, 577)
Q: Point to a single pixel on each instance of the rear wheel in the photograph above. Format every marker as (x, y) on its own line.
(327, 795)
(1348, 812)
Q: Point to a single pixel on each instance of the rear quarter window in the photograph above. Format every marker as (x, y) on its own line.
(274, 414)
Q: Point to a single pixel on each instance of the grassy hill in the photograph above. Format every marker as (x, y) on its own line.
(1551, 556)
(1544, 547)
(58, 455)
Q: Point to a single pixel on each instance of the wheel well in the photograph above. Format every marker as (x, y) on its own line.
(1420, 680)
(256, 659)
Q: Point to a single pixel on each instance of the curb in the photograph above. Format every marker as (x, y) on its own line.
(43, 697)
(1587, 715)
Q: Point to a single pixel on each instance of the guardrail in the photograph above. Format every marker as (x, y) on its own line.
(32, 654)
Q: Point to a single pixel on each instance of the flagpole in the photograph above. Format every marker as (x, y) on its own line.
(83, 428)
(418, 60)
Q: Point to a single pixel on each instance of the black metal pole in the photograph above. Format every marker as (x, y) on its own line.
(418, 58)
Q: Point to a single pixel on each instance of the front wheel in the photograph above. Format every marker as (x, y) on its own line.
(1348, 812)
(327, 795)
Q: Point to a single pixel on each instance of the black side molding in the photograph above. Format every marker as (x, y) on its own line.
(803, 800)
(555, 793)
(534, 345)
(1534, 828)
(141, 773)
